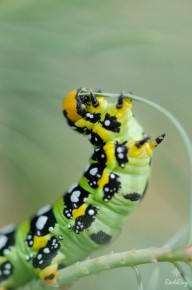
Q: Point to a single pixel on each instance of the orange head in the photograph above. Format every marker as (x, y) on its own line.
(76, 102)
(70, 106)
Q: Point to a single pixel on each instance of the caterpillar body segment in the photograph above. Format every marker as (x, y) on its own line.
(92, 212)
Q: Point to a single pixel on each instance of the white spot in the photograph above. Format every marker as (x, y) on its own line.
(107, 123)
(7, 266)
(112, 175)
(27, 258)
(106, 189)
(7, 229)
(41, 262)
(91, 212)
(93, 171)
(6, 251)
(96, 139)
(120, 155)
(102, 156)
(3, 241)
(46, 251)
(6, 272)
(119, 149)
(41, 222)
(39, 256)
(89, 115)
(75, 196)
(50, 229)
(122, 164)
(89, 137)
(31, 243)
(43, 210)
(29, 237)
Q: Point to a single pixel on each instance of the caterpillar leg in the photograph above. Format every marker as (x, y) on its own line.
(48, 274)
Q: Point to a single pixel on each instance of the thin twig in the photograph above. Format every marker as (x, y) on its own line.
(125, 259)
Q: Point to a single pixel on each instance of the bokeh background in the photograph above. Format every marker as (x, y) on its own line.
(48, 48)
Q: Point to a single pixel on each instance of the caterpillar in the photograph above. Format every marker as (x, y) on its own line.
(92, 212)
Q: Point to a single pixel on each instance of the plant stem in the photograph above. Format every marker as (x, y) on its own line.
(111, 261)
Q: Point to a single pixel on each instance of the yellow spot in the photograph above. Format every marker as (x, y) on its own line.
(39, 242)
(135, 151)
(103, 180)
(70, 106)
(152, 144)
(83, 123)
(149, 149)
(109, 151)
(128, 104)
(103, 133)
(144, 149)
(79, 211)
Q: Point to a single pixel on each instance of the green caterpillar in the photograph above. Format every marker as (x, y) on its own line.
(92, 212)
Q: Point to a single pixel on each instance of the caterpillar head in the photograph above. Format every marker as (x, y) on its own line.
(77, 103)
(97, 115)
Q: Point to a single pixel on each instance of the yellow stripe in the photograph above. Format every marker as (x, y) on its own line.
(79, 211)
(103, 180)
(39, 242)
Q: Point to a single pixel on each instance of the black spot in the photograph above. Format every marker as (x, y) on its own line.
(81, 130)
(61, 266)
(111, 187)
(94, 173)
(43, 259)
(50, 277)
(100, 238)
(92, 117)
(95, 139)
(85, 221)
(70, 205)
(99, 155)
(133, 196)
(50, 223)
(141, 142)
(121, 153)
(110, 123)
(10, 241)
(6, 270)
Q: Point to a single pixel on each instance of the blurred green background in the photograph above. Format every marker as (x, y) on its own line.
(48, 48)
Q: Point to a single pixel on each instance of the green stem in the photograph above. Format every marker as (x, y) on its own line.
(125, 259)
